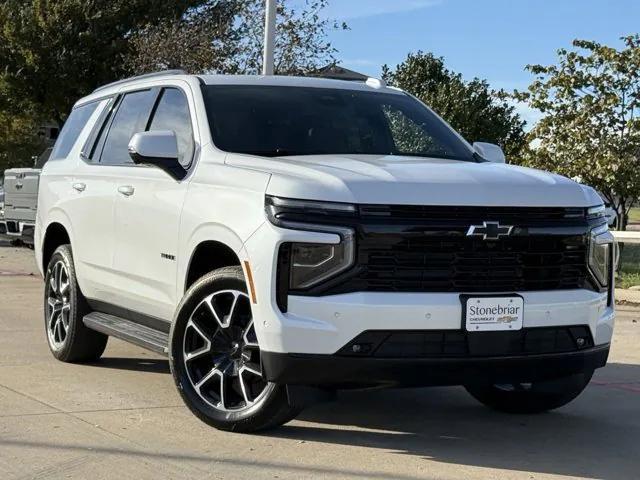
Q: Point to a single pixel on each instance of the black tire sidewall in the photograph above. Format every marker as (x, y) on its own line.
(76, 302)
(222, 279)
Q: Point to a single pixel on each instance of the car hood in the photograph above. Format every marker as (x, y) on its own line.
(391, 179)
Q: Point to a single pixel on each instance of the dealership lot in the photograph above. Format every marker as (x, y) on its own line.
(122, 417)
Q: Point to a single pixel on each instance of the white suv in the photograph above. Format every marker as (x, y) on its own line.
(281, 238)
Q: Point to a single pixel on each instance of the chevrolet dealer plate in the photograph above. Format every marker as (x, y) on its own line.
(484, 314)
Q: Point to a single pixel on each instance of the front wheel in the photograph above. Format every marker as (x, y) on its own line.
(534, 397)
(215, 357)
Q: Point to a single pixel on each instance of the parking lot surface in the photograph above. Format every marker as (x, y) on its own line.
(122, 418)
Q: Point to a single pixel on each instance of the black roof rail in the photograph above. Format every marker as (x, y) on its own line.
(141, 77)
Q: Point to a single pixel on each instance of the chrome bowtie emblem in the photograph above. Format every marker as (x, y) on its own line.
(489, 230)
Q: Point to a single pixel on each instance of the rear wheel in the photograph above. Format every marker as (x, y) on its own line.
(64, 307)
(534, 397)
(215, 357)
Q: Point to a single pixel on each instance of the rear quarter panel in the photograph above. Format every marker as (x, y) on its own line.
(55, 190)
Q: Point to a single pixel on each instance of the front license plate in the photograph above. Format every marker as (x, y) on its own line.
(484, 314)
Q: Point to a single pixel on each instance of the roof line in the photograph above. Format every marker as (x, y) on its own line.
(140, 77)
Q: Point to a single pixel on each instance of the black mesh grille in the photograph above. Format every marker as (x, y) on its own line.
(409, 248)
(470, 264)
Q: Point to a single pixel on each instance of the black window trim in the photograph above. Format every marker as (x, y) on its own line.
(188, 166)
(104, 122)
(88, 149)
(109, 122)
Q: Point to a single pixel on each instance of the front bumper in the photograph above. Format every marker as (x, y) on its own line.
(17, 230)
(322, 325)
(340, 371)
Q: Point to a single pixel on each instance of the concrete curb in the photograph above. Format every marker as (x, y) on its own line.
(625, 296)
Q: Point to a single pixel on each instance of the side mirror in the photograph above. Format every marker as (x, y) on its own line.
(490, 152)
(158, 148)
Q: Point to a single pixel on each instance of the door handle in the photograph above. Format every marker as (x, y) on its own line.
(126, 190)
(79, 187)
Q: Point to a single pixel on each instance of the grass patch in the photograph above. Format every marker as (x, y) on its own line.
(629, 258)
(627, 280)
(628, 274)
(634, 215)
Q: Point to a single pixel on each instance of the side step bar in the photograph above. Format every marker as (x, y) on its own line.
(128, 331)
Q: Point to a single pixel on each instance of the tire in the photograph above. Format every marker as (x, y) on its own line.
(215, 358)
(64, 307)
(530, 398)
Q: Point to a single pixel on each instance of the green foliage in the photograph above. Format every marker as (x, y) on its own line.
(628, 274)
(19, 140)
(226, 36)
(301, 37)
(634, 215)
(472, 108)
(627, 280)
(629, 258)
(205, 39)
(590, 129)
(53, 52)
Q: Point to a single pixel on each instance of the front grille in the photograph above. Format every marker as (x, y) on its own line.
(457, 263)
(408, 248)
(458, 343)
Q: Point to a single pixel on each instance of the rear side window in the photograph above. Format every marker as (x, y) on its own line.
(172, 113)
(72, 129)
(131, 118)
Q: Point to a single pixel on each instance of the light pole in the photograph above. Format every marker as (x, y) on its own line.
(269, 37)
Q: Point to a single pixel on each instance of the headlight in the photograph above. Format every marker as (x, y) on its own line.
(593, 213)
(600, 254)
(312, 263)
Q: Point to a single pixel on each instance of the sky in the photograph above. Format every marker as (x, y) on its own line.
(491, 39)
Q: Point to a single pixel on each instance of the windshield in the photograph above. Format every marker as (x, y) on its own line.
(282, 120)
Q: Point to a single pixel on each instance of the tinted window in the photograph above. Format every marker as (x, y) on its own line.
(172, 113)
(131, 118)
(274, 120)
(91, 146)
(71, 130)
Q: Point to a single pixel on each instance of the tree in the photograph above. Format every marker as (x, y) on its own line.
(471, 107)
(19, 140)
(204, 39)
(590, 129)
(227, 37)
(301, 37)
(53, 52)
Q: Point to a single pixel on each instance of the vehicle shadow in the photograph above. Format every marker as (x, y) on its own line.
(151, 365)
(597, 436)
